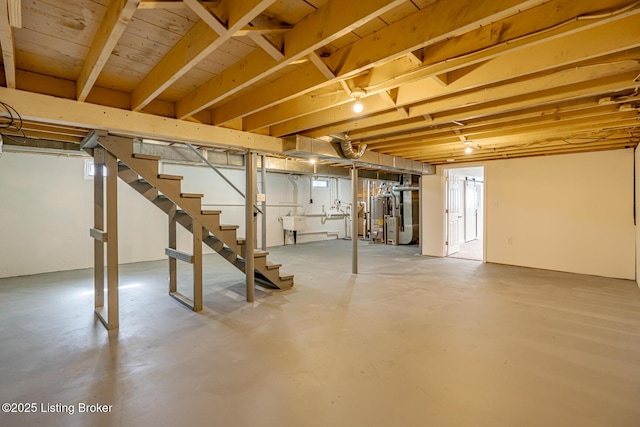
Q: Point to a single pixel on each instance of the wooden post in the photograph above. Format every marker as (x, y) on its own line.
(111, 162)
(173, 263)
(98, 225)
(197, 265)
(250, 196)
(264, 204)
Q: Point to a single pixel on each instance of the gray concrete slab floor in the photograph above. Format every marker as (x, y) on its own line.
(410, 341)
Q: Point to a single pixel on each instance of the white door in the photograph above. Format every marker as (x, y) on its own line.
(453, 212)
(470, 211)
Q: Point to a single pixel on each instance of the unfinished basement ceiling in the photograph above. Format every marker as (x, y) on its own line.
(507, 78)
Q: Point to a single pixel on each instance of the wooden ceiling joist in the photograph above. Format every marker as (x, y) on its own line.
(118, 15)
(199, 42)
(489, 101)
(334, 19)
(8, 46)
(534, 60)
(334, 62)
(516, 77)
(536, 20)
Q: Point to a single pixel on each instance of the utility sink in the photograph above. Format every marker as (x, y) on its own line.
(294, 222)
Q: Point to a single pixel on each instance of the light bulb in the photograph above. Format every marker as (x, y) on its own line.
(468, 150)
(357, 107)
(313, 161)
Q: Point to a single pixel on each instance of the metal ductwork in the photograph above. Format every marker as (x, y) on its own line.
(329, 150)
(349, 151)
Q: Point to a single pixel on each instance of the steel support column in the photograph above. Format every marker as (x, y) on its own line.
(354, 218)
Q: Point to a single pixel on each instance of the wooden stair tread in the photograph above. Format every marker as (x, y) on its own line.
(221, 243)
(146, 156)
(167, 176)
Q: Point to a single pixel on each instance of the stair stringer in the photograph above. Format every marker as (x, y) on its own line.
(141, 173)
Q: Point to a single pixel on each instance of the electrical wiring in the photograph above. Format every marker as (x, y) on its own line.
(11, 121)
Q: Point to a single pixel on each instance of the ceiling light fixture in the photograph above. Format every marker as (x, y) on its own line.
(470, 146)
(358, 93)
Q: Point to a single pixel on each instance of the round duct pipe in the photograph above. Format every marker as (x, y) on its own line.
(348, 150)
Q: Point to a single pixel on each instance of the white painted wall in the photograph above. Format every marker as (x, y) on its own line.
(568, 212)
(433, 219)
(286, 194)
(46, 211)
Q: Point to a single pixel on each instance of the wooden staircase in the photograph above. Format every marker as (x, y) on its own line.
(140, 171)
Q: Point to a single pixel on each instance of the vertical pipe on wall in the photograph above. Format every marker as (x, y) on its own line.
(354, 218)
(250, 193)
(264, 203)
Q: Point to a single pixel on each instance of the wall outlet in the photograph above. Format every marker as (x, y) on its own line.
(510, 241)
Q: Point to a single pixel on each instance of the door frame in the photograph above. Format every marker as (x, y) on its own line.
(445, 173)
(450, 247)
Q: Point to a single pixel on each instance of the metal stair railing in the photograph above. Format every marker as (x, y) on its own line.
(216, 170)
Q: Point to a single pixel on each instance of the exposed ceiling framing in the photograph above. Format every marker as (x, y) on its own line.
(510, 78)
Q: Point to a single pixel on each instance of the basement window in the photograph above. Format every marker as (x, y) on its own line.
(320, 183)
(90, 169)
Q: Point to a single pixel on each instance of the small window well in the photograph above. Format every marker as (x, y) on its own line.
(90, 169)
(320, 183)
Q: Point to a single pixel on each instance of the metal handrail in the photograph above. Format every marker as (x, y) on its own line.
(215, 169)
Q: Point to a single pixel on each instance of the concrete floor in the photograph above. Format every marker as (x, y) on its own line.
(470, 250)
(411, 341)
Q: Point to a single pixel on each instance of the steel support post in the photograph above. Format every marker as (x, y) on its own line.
(354, 218)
